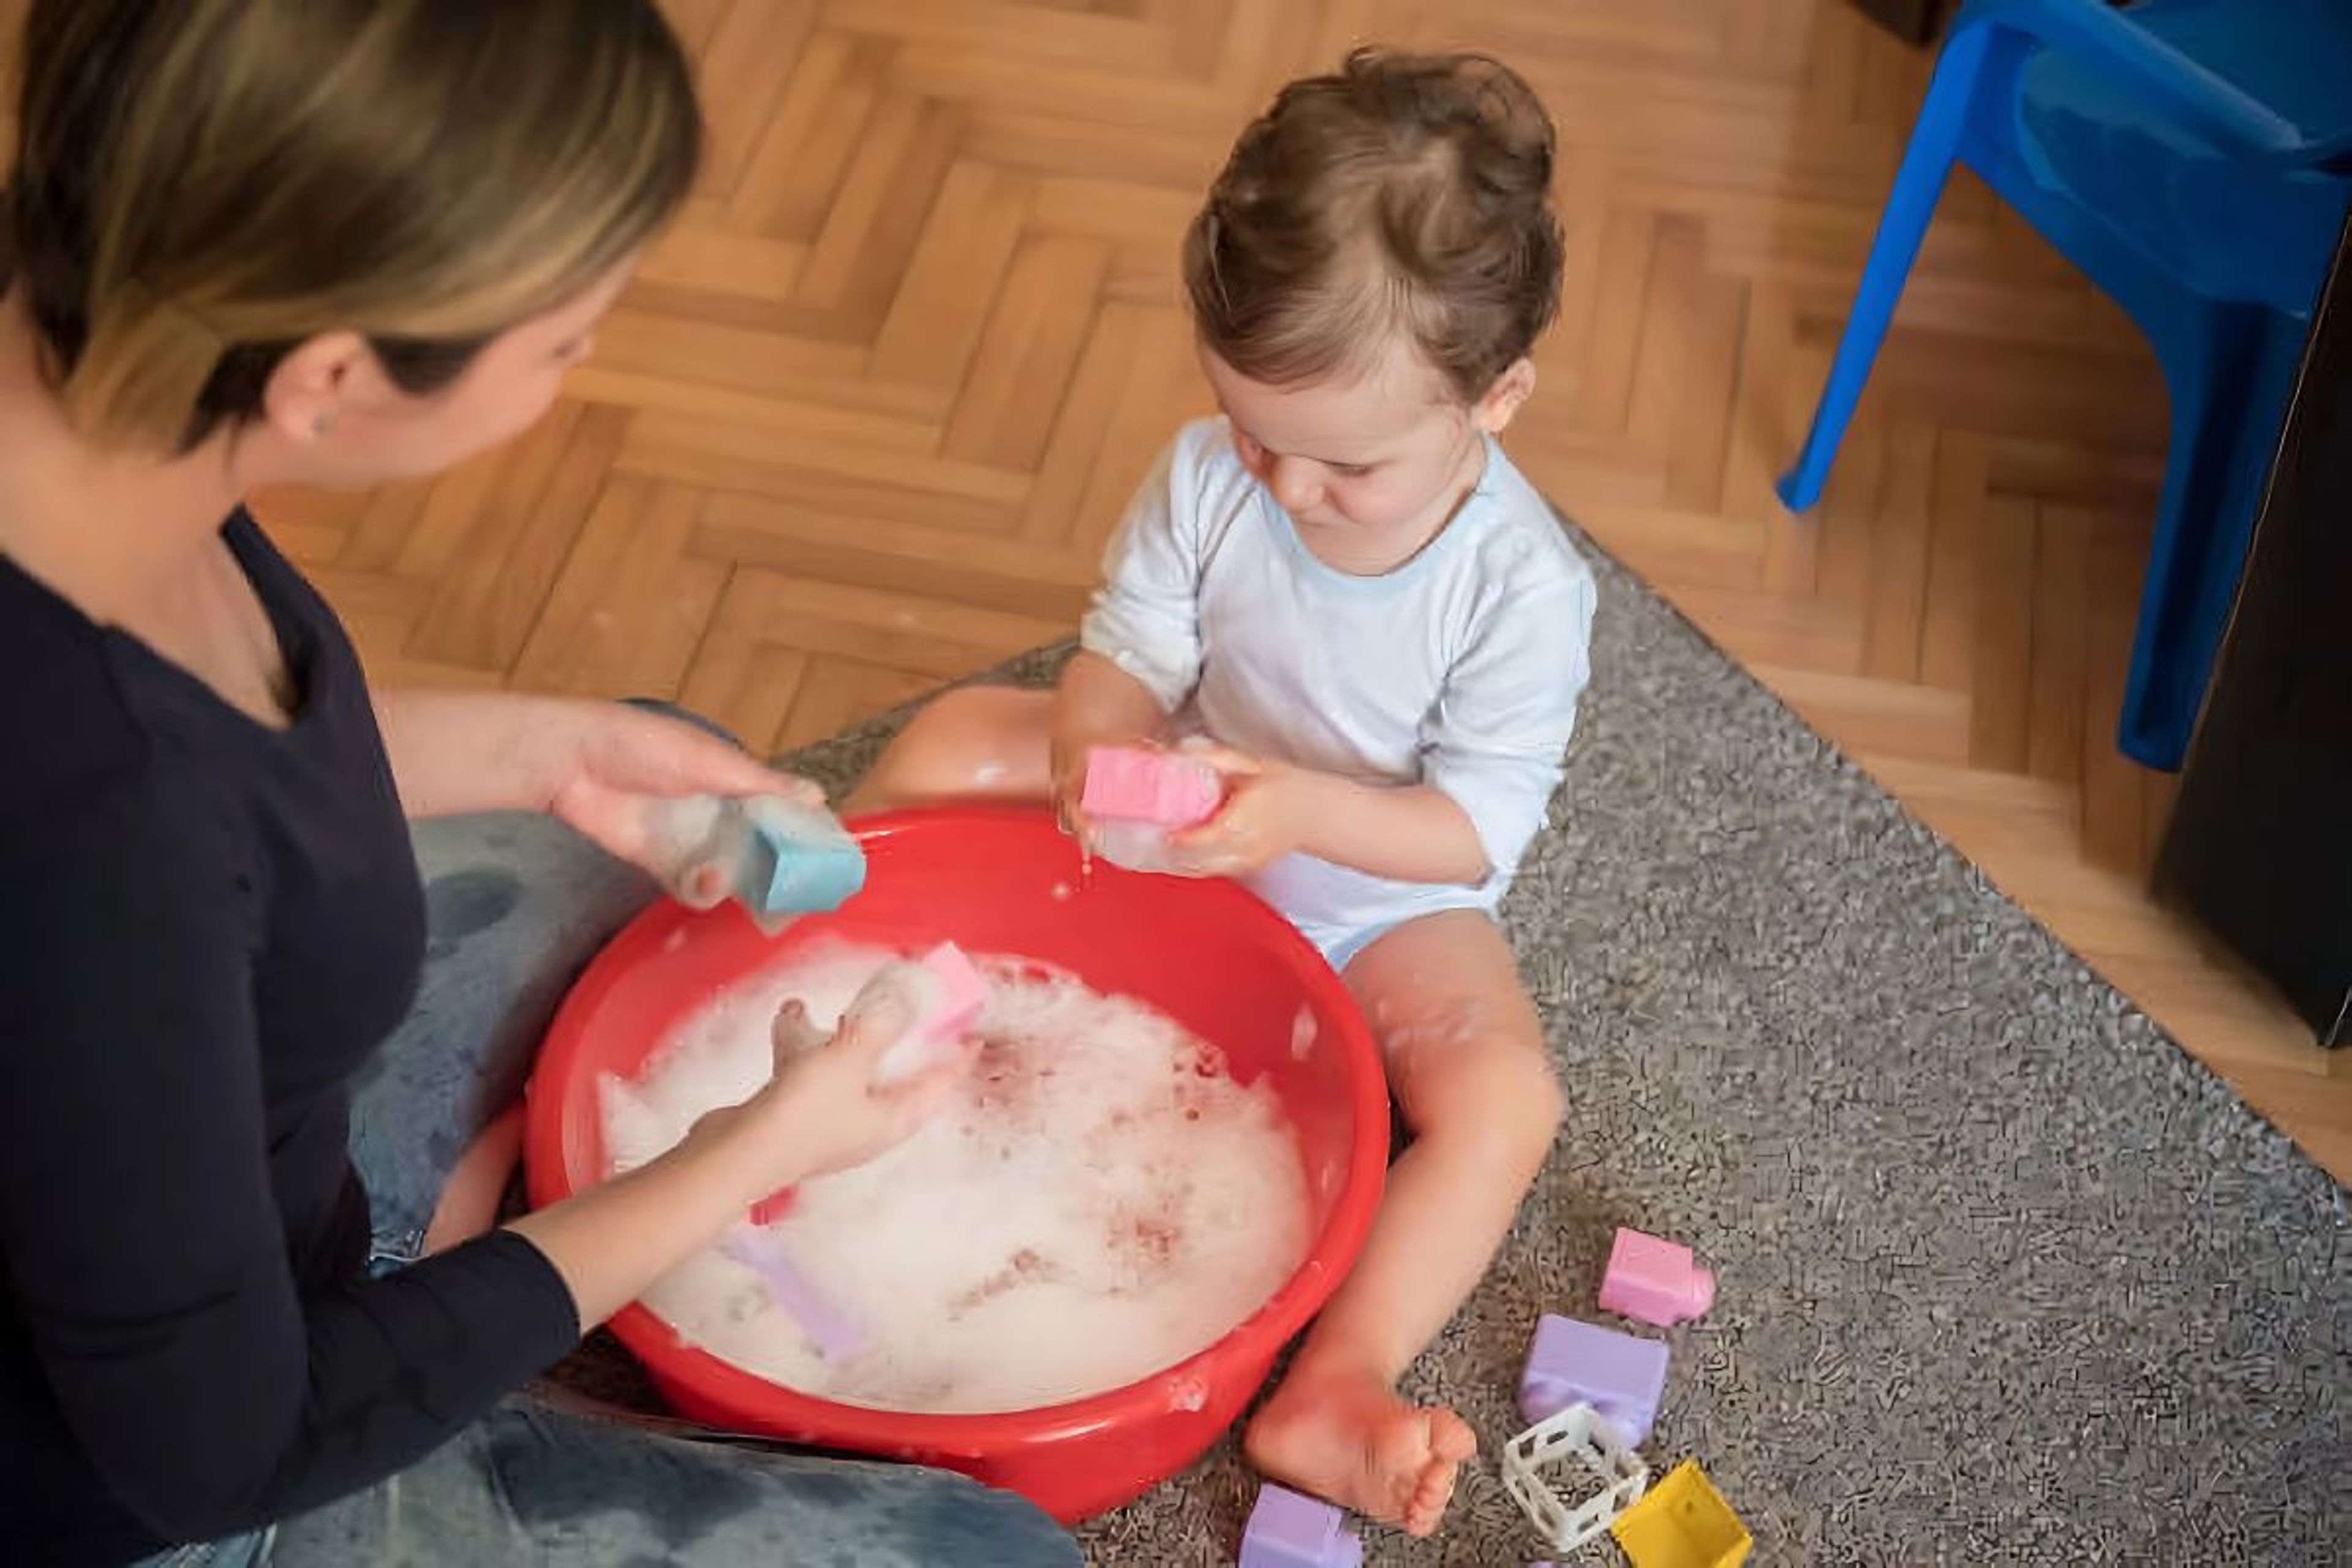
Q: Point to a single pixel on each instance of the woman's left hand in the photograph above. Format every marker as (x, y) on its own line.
(609, 765)
(1265, 817)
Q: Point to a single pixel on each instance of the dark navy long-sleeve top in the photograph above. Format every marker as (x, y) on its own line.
(206, 925)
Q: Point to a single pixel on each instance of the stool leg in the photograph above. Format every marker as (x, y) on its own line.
(2229, 394)
(1918, 185)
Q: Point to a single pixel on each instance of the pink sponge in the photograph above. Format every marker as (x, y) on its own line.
(946, 996)
(943, 994)
(1131, 783)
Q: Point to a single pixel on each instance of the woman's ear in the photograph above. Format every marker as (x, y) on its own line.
(308, 391)
(1512, 388)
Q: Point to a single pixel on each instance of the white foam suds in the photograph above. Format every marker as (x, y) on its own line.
(1098, 1202)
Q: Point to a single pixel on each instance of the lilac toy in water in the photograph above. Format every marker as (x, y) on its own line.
(1619, 1375)
(1653, 1280)
(835, 1336)
(1287, 1531)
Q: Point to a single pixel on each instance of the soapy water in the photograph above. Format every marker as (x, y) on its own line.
(1099, 1200)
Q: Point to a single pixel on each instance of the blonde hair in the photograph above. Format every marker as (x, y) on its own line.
(1403, 194)
(202, 186)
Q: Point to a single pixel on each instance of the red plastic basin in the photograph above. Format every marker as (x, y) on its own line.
(1006, 881)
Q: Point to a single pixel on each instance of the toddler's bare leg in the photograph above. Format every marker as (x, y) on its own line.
(1467, 1060)
(982, 743)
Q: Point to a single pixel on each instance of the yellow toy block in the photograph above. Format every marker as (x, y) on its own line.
(1684, 1522)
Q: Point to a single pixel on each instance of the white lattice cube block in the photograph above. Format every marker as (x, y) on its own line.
(1572, 1453)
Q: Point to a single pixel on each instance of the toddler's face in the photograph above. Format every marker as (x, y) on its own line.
(1371, 468)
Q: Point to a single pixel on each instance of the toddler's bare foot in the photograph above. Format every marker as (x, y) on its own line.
(1352, 1441)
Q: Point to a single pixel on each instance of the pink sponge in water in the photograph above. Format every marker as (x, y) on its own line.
(944, 995)
(941, 994)
(1131, 783)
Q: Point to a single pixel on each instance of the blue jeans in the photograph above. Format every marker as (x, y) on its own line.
(516, 905)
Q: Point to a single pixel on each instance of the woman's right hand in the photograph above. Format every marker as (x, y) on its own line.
(824, 1112)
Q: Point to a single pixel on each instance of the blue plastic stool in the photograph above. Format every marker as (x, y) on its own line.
(2194, 159)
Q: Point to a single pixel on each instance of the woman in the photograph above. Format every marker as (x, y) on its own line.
(264, 242)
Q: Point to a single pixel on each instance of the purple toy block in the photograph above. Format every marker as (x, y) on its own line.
(1619, 1375)
(1655, 1280)
(1287, 1531)
(1131, 783)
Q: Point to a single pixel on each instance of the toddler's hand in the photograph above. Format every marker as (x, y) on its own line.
(1070, 757)
(1069, 771)
(1264, 817)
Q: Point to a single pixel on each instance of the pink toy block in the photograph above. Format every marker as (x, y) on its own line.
(1129, 783)
(1287, 1531)
(1654, 1281)
(1571, 1362)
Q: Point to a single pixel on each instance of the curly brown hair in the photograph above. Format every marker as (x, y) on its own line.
(1403, 193)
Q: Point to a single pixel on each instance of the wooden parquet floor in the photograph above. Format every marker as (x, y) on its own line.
(866, 419)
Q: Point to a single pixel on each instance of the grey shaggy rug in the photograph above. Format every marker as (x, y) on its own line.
(2004, 1276)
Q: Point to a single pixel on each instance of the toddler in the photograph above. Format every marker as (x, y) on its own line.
(1378, 633)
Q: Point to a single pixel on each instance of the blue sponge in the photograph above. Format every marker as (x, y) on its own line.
(790, 858)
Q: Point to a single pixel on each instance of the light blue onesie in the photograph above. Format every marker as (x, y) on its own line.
(1460, 669)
